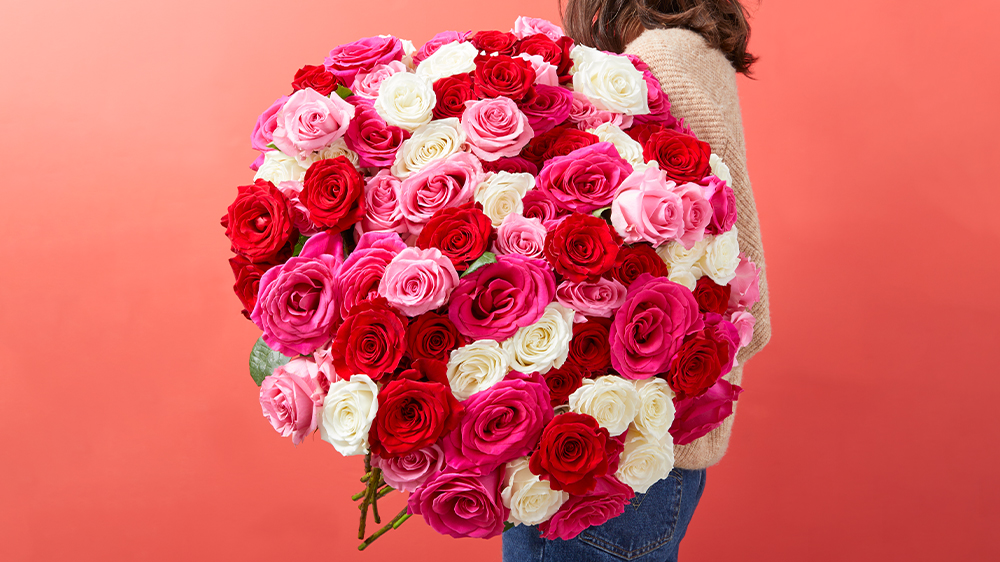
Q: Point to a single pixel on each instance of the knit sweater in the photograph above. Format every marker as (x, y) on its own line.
(701, 85)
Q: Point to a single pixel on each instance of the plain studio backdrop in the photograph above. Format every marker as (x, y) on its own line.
(131, 429)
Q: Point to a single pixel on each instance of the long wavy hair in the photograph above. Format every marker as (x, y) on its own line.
(610, 25)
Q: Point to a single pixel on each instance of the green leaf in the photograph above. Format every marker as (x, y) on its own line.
(485, 259)
(300, 244)
(344, 92)
(263, 361)
(507, 525)
(272, 146)
(600, 212)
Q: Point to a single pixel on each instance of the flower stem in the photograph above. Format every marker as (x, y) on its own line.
(394, 524)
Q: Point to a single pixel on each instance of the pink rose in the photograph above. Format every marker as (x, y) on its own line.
(408, 471)
(417, 281)
(292, 396)
(300, 214)
(745, 287)
(382, 212)
(462, 505)
(443, 183)
(368, 134)
(547, 107)
(605, 502)
(310, 121)
(744, 322)
(366, 84)
(592, 298)
(723, 201)
(347, 61)
(545, 73)
(586, 179)
(697, 213)
(538, 205)
(436, 42)
(698, 415)
(361, 274)
(646, 209)
(495, 128)
(585, 115)
(526, 27)
(263, 131)
(659, 104)
(520, 235)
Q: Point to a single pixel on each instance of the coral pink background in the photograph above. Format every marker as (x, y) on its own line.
(131, 429)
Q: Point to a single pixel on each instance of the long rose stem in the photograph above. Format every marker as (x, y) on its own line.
(394, 524)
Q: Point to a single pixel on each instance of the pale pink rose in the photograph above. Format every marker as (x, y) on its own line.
(697, 213)
(323, 357)
(382, 212)
(586, 115)
(366, 84)
(263, 130)
(520, 235)
(744, 322)
(745, 287)
(416, 281)
(291, 396)
(646, 209)
(495, 128)
(599, 298)
(409, 471)
(436, 42)
(526, 27)
(300, 214)
(443, 183)
(310, 121)
(545, 73)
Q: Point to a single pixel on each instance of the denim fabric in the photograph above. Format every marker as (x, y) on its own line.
(650, 530)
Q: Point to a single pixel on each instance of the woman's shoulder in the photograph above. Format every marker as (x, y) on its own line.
(677, 46)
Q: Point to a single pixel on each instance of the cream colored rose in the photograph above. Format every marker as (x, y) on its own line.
(434, 141)
(501, 194)
(279, 167)
(611, 400)
(682, 262)
(721, 258)
(720, 169)
(408, 51)
(476, 367)
(610, 82)
(530, 499)
(338, 148)
(450, 59)
(405, 100)
(347, 414)
(645, 461)
(656, 408)
(627, 147)
(543, 345)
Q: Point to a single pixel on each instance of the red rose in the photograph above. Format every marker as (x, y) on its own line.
(590, 347)
(333, 192)
(573, 453)
(247, 281)
(412, 415)
(682, 157)
(452, 92)
(432, 336)
(462, 234)
(635, 260)
(582, 247)
(711, 296)
(423, 370)
(514, 165)
(697, 365)
(501, 42)
(316, 77)
(570, 140)
(370, 341)
(564, 381)
(259, 223)
(555, 53)
(503, 76)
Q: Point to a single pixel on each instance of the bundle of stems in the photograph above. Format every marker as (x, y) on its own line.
(375, 489)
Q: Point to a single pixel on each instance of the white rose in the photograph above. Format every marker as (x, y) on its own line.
(338, 148)
(720, 169)
(645, 461)
(279, 167)
(683, 262)
(501, 194)
(610, 82)
(544, 344)
(434, 141)
(450, 59)
(531, 500)
(721, 258)
(405, 100)
(656, 408)
(642, 167)
(628, 148)
(476, 367)
(347, 414)
(611, 400)
(408, 51)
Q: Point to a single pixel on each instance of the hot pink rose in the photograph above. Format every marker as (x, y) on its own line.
(417, 281)
(382, 212)
(520, 235)
(592, 298)
(362, 272)
(659, 104)
(745, 287)
(300, 214)
(723, 201)
(546, 107)
(368, 134)
(744, 322)
(310, 121)
(538, 205)
(586, 179)
(586, 115)
(526, 27)
(646, 209)
(605, 502)
(263, 131)
(436, 42)
(443, 183)
(407, 472)
(366, 84)
(697, 213)
(292, 396)
(495, 128)
(346, 61)
(462, 505)
(697, 416)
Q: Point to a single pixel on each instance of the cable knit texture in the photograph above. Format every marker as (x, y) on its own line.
(701, 86)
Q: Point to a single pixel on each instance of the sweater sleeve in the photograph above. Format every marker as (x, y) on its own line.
(701, 85)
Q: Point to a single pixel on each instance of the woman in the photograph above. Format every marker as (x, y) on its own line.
(695, 48)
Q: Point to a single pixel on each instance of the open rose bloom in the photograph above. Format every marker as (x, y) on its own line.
(498, 268)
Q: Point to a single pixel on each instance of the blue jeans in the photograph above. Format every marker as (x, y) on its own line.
(650, 529)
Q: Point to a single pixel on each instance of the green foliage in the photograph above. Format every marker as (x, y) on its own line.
(485, 259)
(263, 361)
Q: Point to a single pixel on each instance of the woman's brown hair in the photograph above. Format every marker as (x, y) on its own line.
(610, 25)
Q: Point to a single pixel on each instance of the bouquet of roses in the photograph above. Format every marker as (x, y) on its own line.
(498, 268)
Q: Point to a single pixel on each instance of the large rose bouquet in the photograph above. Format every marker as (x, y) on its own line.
(498, 268)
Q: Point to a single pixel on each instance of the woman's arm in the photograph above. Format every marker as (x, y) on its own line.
(701, 86)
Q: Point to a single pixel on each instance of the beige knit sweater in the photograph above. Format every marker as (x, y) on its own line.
(701, 85)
